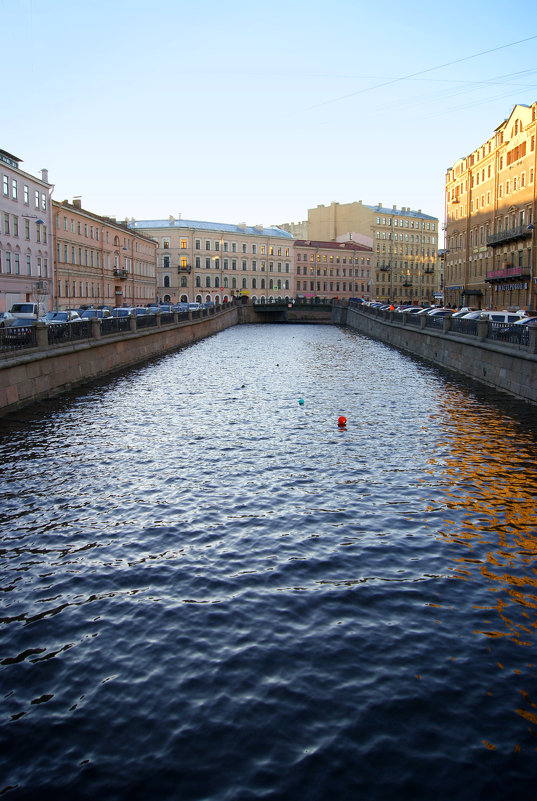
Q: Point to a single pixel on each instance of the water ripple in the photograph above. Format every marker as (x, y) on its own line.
(210, 591)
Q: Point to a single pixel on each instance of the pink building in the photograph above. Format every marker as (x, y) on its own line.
(330, 270)
(26, 241)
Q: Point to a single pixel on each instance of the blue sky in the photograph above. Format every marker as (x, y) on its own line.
(248, 112)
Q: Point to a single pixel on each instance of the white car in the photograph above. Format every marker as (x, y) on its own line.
(6, 318)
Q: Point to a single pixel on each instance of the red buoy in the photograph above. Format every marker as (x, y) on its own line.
(342, 421)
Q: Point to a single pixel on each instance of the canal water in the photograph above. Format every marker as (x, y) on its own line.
(212, 592)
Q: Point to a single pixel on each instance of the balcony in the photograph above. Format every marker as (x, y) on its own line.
(120, 273)
(509, 235)
(186, 269)
(428, 270)
(385, 268)
(407, 282)
(507, 272)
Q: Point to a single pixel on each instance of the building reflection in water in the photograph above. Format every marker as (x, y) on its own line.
(488, 516)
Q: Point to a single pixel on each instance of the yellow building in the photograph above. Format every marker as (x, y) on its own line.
(405, 247)
(208, 262)
(490, 209)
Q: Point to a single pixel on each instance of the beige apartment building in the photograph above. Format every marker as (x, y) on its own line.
(332, 270)
(209, 262)
(490, 213)
(99, 261)
(406, 267)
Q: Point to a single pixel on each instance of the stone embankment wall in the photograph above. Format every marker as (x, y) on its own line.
(30, 376)
(503, 367)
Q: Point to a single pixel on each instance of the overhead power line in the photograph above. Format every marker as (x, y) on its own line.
(422, 72)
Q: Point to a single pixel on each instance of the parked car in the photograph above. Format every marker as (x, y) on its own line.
(6, 318)
(25, 311)
(516, 331)
(436, 311)
(20, 332)
(62, 317)
(124, 311)
(99, 314)
(501, 316)
(194, 306)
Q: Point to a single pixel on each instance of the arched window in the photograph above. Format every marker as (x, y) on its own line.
(217, 282)
(166, 262)
(262, 283)
(166, 281)
(198, 280)
(254, 283)
(244, 283)
(208, 281)
(184, 281)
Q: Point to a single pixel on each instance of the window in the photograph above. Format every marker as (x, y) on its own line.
(184, 244)
(207, 244)
(197, 244)
(6, 186)
(26, 194)
(37, 199)
(14, 189)
(166, 244)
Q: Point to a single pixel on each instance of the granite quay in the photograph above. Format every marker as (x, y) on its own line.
(41, 361)
(489, 353)
(52, 361)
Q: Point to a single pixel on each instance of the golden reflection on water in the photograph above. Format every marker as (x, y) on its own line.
(489, 461)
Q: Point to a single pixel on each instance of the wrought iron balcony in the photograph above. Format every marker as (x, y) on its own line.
(507, 272)
(186, 269)
(120, 273)
(385, 268)
(428, 270)
(510, 234)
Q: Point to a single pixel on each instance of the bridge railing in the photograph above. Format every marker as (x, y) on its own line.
(43, 336)
(516, 336)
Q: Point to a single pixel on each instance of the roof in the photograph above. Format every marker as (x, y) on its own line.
(202, 225)
(350, 244)
(400, 212)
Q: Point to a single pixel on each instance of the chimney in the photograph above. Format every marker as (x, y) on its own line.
(394, 208)
(44, 176)
(77, 202)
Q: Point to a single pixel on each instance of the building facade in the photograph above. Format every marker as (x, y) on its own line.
(490, 213)
(332, 270)
(213, 262)
(405, 266)
(99, 261)
(26, 241)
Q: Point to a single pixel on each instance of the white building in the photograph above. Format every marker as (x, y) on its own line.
(26, 240)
